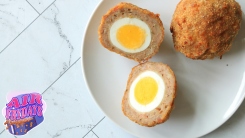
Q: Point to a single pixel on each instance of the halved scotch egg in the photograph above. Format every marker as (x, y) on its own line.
(131, 31)
(150, 94)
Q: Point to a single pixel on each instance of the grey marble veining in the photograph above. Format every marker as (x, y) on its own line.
(15, 16)
(55, 11)
(68, 111)
(40, 55)
(107, 129)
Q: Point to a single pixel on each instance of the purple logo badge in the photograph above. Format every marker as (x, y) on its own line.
(23, 112)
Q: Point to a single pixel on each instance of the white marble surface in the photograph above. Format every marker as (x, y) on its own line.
(40, 51)
(15, 17)
(40, 5)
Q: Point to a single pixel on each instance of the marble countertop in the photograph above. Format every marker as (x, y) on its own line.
(40, 51)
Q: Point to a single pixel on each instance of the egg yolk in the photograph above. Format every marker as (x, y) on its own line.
(145, 90)
(131, 36)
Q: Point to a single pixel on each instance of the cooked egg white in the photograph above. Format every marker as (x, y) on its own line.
(147, 91)
(130, 35)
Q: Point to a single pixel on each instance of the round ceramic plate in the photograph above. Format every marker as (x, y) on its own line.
(209, 91)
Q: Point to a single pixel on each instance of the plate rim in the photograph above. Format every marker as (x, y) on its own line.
(237, 101)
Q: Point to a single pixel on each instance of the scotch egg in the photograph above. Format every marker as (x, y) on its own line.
(205, 29)
(131, 31)
(150, 93)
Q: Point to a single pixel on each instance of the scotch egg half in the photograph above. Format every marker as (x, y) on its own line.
(131, 31)
(150, 94)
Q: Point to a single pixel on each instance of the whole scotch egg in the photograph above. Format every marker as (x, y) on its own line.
(204, 29)
(131, 31)
(150, 94)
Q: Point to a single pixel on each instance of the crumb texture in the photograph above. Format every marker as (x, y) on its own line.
(204, 29)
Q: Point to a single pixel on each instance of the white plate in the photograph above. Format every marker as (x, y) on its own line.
(209, 91)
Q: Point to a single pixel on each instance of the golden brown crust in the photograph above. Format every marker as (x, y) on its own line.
(161, 113)
(204, 29)
(129, 10)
